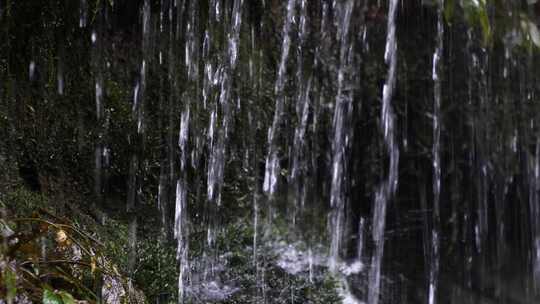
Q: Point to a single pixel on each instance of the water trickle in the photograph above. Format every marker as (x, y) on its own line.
(272, 167)
(60, 80)
(83, 13)
(31, 70)
(388, 187)
(210, 80)
(436, 151)
(361, 238)
(139, 109)
(341, 121)
(99, 97)
(181, 236)
(217, 158)
(299, 159)
(181, 222)
(183, 138)
(98, 59)
(534, 201)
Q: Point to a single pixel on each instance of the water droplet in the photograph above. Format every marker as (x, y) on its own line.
(31, 70)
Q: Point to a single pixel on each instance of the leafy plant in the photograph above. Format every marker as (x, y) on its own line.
(57, 297)
(47, 258)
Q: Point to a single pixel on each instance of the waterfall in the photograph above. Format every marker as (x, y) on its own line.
(388, 187)
(262, 142)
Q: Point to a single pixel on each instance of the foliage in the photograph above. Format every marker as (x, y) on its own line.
(57, 297)
(156, 270)
(496, 20)
(46, 257)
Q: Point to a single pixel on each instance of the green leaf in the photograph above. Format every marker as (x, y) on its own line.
(534, 34)
(11, 284)
(449, 10)
(67, 298)
(484, 23)
(49, 297)
(476, 12)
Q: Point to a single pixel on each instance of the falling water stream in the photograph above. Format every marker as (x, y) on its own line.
(391, 148)
(388, 187)
(272, 168)
(435, 229)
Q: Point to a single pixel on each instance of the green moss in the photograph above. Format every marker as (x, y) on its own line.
(22, 202)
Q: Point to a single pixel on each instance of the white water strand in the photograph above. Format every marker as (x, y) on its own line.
(83, 13)
(388, 187)
(137, 140)
(181, 220)
(181, 236)
(272, 159)
(98, 80)
(298, 177)
(99, 96)
(31, 70)
(183, 137)
(211, 79)
(217, 158)
(342, 117)
(437, 120)
(208, 79)
(534, 200)
(139, 110)
(483, 150)
(180, 217)
(60, 77)
(167, 167)
(97, 66)
(467, 215)
(302, 95)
